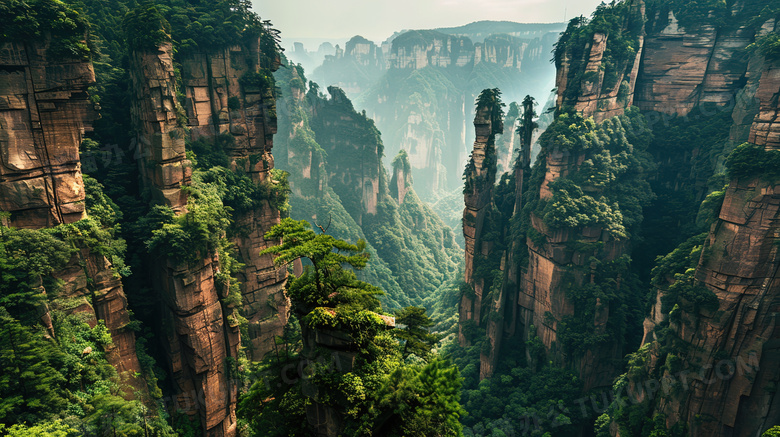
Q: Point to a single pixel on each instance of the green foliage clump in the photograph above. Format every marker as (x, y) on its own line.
(490, 99)
(752, 161)
(380, 389)
(261, 80)
(772, 432)
(610, 187)
(146, 28)
(767, 45)
(37, 19)
(416, 336)
(518, 398)
(571, 208)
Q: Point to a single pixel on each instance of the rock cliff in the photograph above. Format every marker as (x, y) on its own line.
(212, 86)
(710, 336)
(201, 332)
(44, 112)
(729, 390)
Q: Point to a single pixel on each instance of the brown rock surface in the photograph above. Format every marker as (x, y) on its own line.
(209, 81)
(44, 113)
(736, 347)
(480, 177)
(160, 138)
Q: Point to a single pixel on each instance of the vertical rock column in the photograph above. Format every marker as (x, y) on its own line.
(217, 103)
(198, 340)
(477, 195)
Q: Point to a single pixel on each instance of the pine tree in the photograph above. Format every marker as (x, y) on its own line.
(30, 386)
(417, 339)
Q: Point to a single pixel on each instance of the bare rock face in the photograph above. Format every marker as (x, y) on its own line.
(765, 131)
(199, 340)
(731, 353)
(44, 112)
(159, 133)
(92, 288)
(607, 86)
(401, 182)
(685, 67)
(202, 333)
(216, 103)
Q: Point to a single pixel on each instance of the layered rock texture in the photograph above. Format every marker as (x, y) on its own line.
(201, 333)
(478, 193)
(44, 112)
(730, 390)
(210, 80)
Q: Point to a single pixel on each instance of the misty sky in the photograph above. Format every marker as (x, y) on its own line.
(378, 19)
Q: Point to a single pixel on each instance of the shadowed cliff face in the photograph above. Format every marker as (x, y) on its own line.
(729, 348)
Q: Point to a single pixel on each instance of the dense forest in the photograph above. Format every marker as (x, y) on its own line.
(197, 239)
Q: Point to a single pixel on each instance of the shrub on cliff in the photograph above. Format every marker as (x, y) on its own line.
(36, 20)
(751, 161)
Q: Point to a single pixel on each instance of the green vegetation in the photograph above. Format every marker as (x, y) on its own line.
(751, 161)
(621, 25)
(526, 131)
(772, 432)
(609, 189)
(339, 149)
(518, 399)
(34, 20)
(379, 394)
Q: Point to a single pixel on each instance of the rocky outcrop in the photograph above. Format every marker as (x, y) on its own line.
(401, 182)
(355, 152)
(729, 392)
(44, 113)
(600, 84)
(202, 333)
(684, 67)
(216, 103)
(480, 177)
(92, 289)
(198, 339)
(158, 119)
(337, 351)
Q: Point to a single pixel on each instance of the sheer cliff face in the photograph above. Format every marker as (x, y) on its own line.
(739, 264)
(44, 113)
(210, 80)
(683, 65)
(480, 177)
(199, 337)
